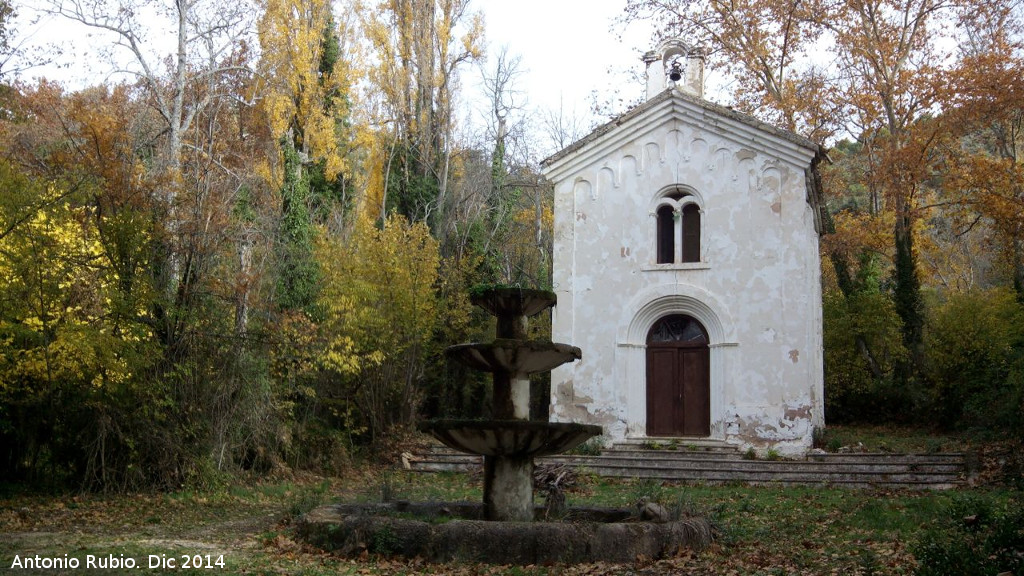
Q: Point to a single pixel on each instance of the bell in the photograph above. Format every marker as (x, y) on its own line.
(676, 73)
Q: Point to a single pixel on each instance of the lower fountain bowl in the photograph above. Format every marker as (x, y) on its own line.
(514, 438)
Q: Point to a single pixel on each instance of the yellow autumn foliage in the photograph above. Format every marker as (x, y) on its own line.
(300, 100)
(57, 296)
(378, 293)
(380, 310)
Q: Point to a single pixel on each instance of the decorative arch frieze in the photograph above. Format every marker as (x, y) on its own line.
(628, 166)
(675, 143)
(721, 162)
(771, 180)
(697, 149)
(582, 188)
(652, 154)
(771, 188)
(747, 175)
(606, 181)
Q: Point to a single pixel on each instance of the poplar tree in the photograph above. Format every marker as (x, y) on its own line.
(418, 53)
(307, 102)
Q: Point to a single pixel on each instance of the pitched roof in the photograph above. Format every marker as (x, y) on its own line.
(673, 104)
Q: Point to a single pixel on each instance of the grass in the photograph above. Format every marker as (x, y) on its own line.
(760, 531)
(809, 530)
(891, 439)
(770, 529)
(439, 487)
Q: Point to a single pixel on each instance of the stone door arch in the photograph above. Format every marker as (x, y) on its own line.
(678, 378)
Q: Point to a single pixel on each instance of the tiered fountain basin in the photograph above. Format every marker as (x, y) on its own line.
(514, 301)
(510, 438)
(507, 527)
(510, 441)
(514, 356)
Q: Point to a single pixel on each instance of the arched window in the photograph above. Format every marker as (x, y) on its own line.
(666, 235)
(677, 234)
(691, 233)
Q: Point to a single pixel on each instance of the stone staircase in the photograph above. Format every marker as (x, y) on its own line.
(707, 462)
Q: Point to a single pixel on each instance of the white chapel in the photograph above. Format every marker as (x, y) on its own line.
(686, 267)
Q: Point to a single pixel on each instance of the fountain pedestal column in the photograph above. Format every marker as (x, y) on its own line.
(508, 488)
(511, 396)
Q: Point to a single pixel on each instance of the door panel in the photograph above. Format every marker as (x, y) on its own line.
(661, 391)
(696, 393)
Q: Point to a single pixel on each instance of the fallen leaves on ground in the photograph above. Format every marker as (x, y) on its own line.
(762, 531)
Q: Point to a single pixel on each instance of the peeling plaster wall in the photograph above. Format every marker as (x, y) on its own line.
(756, 289)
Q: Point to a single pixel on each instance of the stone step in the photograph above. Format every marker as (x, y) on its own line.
(727, 451)
(740, 464)
(858, 457)
(912, 481)
(913, 461)
(430, 466)
(655, 443)
(721, 465)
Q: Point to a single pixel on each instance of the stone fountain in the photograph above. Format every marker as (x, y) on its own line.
(504, 530)
(510, 441)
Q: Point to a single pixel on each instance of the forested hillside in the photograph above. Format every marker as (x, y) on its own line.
(250, 257)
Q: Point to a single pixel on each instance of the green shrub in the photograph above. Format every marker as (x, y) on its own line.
(591, 447)
(866, 321)
(974, 540)
(384, 541)
(975, 357)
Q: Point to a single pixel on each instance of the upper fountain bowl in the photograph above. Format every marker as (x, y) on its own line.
(514, 301)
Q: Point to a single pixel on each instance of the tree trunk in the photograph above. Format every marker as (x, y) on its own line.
(843, 277)
(908, 294)
(1017, 247)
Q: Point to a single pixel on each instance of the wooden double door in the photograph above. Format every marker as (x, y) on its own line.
(678, 378)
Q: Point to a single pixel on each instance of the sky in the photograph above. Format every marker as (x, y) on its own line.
(569, 49)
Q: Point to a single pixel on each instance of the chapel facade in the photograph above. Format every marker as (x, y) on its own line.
(686, 268)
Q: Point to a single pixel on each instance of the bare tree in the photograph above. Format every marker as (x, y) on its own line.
(181, 78)
(204, 35)
(562, 127)
(504, 99)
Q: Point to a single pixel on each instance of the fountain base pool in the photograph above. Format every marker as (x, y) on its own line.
(444, 532)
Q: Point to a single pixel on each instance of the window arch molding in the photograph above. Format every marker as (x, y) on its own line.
(677, 196)
(678, 212)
